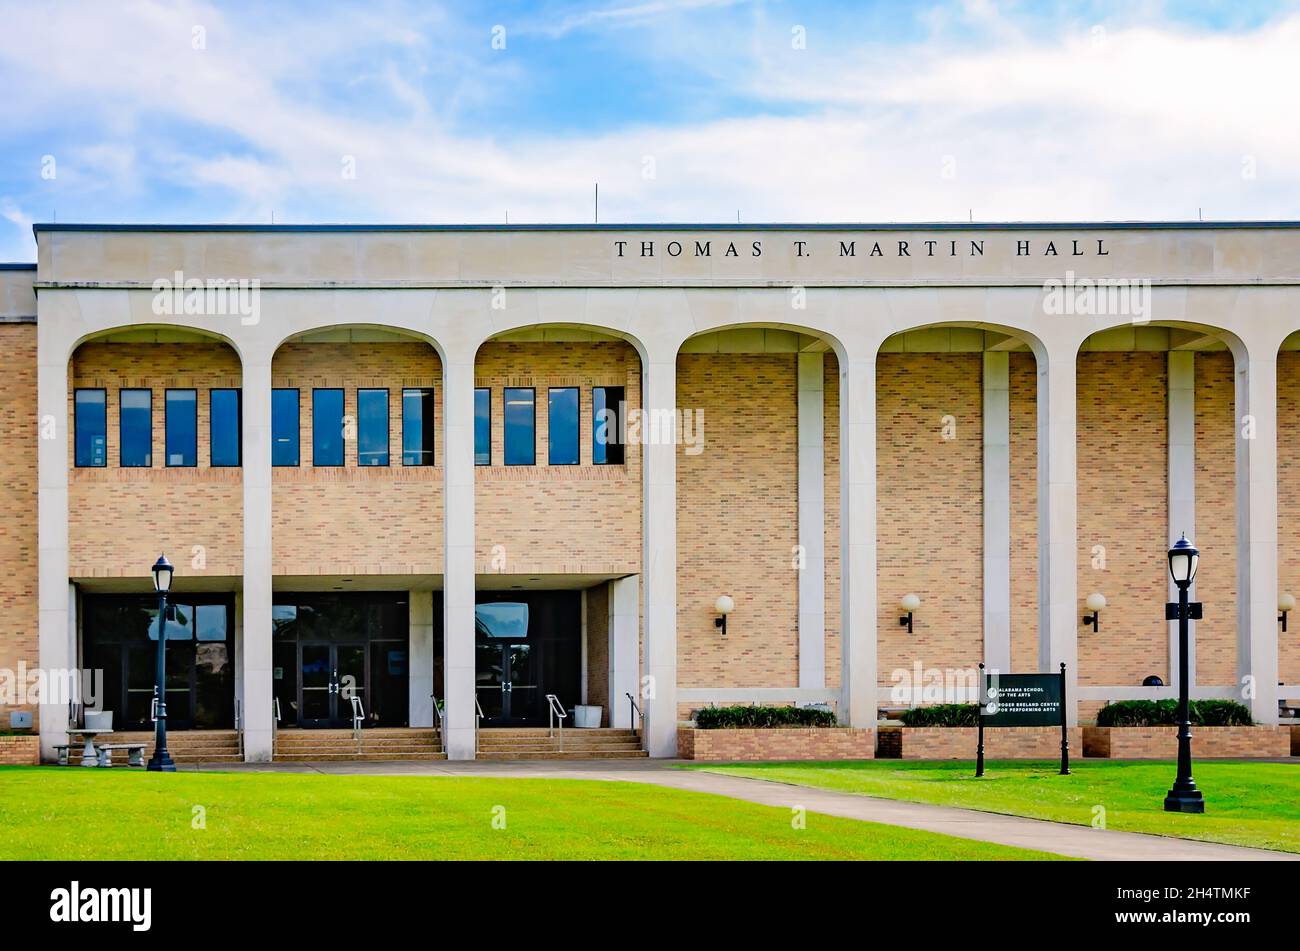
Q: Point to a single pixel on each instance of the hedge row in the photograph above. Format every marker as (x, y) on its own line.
(1165, 713)
(942, 714)
(762, 718)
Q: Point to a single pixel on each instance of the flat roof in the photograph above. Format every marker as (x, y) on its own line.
(16, 266)
(706, 226)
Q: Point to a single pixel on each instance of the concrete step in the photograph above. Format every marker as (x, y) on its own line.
(336, 756)
(567, 754)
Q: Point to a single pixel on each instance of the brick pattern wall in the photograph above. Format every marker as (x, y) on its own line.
(929, 509)
(1025, 742)
(18, 433)
(1123, 465)
(1216, 519)
(353, 520)
(1208, 742)
(119, 519)
(823, 743)
(20, 750)
(1288, 507)
(1023, 418)
(737, 521)
(831, 460)
(579, 519)
(598, 648)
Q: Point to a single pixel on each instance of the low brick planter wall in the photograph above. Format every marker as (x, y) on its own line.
(20, 750)
(1295, 738)
(1208, 742)
(797, 743)
(1013, 742)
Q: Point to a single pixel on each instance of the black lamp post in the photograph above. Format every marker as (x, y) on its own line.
(160, 762)
(1183, 559)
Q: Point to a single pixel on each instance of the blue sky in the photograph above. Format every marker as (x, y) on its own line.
(683, 110)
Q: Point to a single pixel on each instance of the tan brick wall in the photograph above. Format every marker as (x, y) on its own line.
(354, 520)
(930, 510)
(1288, 508)
(1216, 519)
(1123, 465)
(809, 743)
(1024, 742)
(20, 750)
(598, 648)
(1208, 742)
(831, 460)
(737, 521)
(18, 433)
(1023, 418)
(559, 519)
(120, 519)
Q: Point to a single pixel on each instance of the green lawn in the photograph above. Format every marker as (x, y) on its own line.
(53, 813)
(1254, 804)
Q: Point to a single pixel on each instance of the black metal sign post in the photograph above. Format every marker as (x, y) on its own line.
(1022, 700)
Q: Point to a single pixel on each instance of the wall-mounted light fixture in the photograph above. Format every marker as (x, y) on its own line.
(724, 606)
(1285, 604)
(1095, 602)
(909, 603)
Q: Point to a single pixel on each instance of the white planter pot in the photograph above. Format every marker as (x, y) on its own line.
(99, 720)
(587, 716)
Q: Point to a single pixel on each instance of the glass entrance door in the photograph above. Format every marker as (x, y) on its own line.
(330, 675)
(507, 683)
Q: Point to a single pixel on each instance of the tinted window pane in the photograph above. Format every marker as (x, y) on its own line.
(327, 427)
(520, 420)
(284, 427)
(607, 425)
(372, 427)
(210, 622)
(417, 427)
(226, 427)
(562, 426)
(182, 417)
(91, 428)
(483, 427)
(136, 422)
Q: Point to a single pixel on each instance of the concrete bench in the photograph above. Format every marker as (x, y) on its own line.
(134, 753)
(62, 751)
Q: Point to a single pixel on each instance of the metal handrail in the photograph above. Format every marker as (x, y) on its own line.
(239, 727)
(634, 714)
(478, 718)
(441, 728)
(358, 717)
(555, 708)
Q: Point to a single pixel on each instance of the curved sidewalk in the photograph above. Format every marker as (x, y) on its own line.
(1060, 838)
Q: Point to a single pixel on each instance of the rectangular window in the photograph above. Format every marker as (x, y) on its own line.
(562, 425)
(327, 427)
(521, 426)
(227, 425)
(181, 424)
(284, 427)
(607, 425)
(483, 427)
(372, 427)
(90, 424)
(135, 420)
(417, 427)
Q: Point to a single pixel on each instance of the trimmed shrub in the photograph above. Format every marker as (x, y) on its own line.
(942, 714)
(761, 718)
(1165, 713)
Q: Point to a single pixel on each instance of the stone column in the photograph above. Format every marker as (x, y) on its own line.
(624, 628)
(458, 552)
(1182, 486)
(1058, 513)
(255, 666)
(1257, 628)
(858, 538)
(659, 467)
(812, 521)
(997, 511)
(420, 659)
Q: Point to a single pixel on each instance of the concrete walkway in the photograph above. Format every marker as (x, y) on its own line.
(1060, 838)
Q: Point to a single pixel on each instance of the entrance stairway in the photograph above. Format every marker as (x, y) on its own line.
(186, 747)
(537, 743)
(339, 746)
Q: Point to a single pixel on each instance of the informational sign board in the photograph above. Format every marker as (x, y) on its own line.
(1008, 700)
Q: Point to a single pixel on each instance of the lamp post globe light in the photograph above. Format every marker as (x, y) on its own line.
(161, 762)
(1183, 561)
